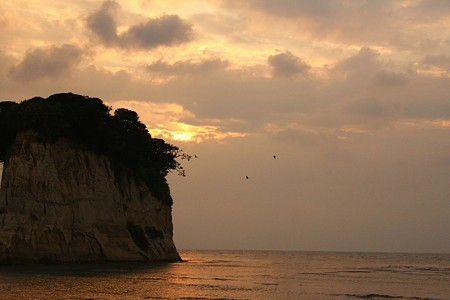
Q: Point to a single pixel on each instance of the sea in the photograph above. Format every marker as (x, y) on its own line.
(214, 275)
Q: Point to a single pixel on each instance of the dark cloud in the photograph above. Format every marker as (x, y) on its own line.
(363, 61)
(367, 67)
(373, 108)
(386, 78)
(167, 30)
(427, 98)
(103, 23)
(432, 9)
(6, 84)
(350, 21)
(403, 96)
(400, 24)
(299, 8)
(288, 65)
(323, 11)
(188, 67)
(51, 63)
(439, 61)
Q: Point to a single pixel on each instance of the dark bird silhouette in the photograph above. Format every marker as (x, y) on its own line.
(246, 177)
(274, 157)
(195, 156)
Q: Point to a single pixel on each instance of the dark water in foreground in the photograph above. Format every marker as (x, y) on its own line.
(240, 275)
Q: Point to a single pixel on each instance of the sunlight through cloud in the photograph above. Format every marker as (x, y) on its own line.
(164, 120)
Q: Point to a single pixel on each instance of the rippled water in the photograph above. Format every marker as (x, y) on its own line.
(240, 275)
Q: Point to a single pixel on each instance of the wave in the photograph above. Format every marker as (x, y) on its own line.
(408, 270)
(202, 298)
(381, 296)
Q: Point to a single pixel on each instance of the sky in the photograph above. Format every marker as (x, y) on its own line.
(351, 96)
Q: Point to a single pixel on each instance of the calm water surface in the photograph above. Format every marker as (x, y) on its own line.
(240, 275)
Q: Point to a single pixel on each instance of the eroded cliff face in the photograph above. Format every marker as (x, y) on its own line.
(59, 203)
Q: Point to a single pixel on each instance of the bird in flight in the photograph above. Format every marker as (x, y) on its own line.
(274, 157)
(246, 177)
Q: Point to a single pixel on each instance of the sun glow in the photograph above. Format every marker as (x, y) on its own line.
(183, 136)
(163, 120)
(182, 132)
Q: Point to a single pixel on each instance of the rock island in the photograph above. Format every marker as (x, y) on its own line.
(82, 185)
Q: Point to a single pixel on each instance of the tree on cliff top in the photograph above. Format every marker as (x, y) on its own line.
(119, 136)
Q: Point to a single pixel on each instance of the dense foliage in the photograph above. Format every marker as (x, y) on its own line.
(120, 136)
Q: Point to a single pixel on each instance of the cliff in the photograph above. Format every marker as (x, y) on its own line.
(62, 203)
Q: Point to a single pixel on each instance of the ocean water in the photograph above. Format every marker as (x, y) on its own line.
(240, 275)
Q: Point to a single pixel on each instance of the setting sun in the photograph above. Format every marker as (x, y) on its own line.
(183, 136)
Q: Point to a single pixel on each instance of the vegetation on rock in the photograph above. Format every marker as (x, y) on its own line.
(89, 122)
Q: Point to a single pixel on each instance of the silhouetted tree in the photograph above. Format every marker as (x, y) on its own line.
(8, 123)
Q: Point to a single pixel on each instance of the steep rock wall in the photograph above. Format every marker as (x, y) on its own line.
(59, 203)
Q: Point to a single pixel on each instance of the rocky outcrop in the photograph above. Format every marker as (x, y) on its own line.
(60, 203)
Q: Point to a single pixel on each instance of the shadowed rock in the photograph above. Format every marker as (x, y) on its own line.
(60, 203)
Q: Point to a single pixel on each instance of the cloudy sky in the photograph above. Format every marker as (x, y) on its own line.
(352, 96)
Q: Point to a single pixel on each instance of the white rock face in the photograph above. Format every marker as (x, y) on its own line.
(59, 203)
